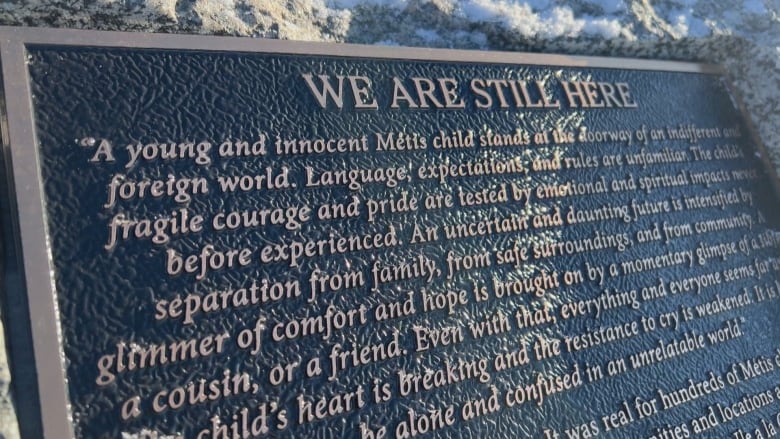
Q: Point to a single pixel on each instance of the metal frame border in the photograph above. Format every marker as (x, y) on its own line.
(72, 37)
(24, 169)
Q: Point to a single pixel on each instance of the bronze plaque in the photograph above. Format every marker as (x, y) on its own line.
(219, 238)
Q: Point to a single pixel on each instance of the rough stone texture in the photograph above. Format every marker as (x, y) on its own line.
(8, 426)
(744, 36)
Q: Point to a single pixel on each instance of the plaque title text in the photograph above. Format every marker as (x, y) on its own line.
(357, 91)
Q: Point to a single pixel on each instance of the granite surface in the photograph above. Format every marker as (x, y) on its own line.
(744, 36)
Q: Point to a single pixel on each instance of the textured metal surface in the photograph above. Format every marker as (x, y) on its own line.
(131, 96)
